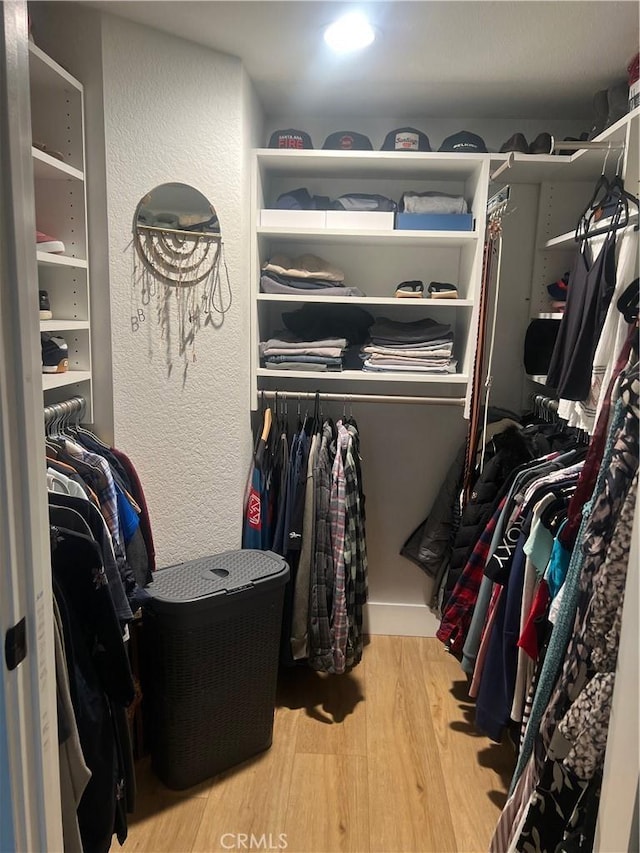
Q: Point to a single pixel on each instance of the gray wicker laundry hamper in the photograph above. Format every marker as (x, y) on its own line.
(212, 633)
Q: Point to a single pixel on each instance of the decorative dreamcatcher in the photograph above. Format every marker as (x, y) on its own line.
(179, 264)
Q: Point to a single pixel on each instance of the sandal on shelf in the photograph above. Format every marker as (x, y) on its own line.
(443, 290)
(410, 290)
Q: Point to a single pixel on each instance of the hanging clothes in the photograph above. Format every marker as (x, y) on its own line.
(590, 289)
(312, 479)
(101, 556)
(101, 683)
(572, 764)
(555, 789)
(583, 414)
(591, 286)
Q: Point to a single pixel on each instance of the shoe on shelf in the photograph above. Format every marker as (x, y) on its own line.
(45, 243)
(558, 290)
(50, 151)
(517, 142)
(410, 290)
(55, 353)
(443, 290)
(45, 305)
(541, 144)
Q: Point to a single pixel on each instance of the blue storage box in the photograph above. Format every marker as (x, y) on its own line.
(434, 222)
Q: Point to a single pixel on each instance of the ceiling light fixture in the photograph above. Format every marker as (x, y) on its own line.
(351, 32)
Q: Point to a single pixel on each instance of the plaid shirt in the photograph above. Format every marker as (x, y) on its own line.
(96, 471)
(459, 609)
(339, 621)
(321, 583)
(355, 553)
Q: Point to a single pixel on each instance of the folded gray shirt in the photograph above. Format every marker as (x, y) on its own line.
(433, 202)
(287, 341)
(269, 285)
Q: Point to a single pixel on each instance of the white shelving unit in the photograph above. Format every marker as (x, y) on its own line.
(562, 203)
(373, 260)
(57, 120)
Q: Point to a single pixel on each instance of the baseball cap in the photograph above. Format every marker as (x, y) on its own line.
(406, 139)
(464, 142)
(348, 140)
(290, 138)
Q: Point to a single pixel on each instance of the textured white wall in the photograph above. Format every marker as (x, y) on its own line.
(175, 112)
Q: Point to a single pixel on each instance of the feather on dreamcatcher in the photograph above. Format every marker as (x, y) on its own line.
(182, 268)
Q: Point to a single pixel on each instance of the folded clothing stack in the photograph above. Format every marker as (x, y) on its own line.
(301, 199)
(306, 273)
(287, 351)
(433, 202)
(423, 346)
(318, 338)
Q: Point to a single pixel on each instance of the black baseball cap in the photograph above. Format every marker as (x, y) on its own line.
(290, 138)
(348, 140)
(406, 139)
(464, 143)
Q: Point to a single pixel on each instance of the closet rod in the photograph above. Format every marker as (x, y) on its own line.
(567, 145)
(64, 407)
(363, 398)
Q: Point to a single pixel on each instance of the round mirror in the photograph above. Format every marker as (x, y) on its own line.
(177, 234)
(177, 207)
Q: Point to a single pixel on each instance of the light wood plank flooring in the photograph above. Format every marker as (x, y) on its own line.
(383, 760)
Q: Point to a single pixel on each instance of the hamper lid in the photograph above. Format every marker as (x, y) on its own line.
(220, 574)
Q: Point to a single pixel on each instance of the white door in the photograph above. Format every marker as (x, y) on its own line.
(29, 780)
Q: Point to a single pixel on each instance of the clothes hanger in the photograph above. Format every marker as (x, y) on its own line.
(616, 198)
(627, 303)
(315, 425)
(602, 184)
(261, 455)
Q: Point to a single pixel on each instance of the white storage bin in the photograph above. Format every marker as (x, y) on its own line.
(293, 218)
(360, 220)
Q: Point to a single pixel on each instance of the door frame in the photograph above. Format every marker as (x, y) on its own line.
(29, 690)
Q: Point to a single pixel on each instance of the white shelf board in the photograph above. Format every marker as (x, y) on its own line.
(46, 73)
(434, 239)
(367, 300)
(47, 259)
(63, 325)
(582, 165)
(364, 376)
(539, 380)
(59, 380)
(50, 168)
(533, 168)
(550, 315)
(566, 242)
(370, 164)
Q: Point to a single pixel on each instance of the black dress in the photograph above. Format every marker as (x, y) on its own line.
(590, 289)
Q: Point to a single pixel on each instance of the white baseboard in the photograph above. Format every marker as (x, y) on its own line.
(400, 620)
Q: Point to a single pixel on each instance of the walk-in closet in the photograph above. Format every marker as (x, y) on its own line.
(319, 406)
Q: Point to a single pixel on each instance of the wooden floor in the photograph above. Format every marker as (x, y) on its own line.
(383, 760)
